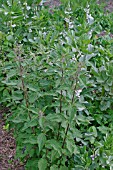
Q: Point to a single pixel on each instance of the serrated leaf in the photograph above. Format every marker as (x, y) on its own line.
(32, 140)
(42, 164)
(54, 167)
(42, 122)
(70, 146)
(41, 139)
(72, 113)
(63, 168)
(30, 123)
(54, 155)
(55, 145)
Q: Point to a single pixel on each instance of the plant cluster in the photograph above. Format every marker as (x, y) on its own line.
(56, 77)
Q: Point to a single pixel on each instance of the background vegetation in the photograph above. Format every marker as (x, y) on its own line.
(56, 75)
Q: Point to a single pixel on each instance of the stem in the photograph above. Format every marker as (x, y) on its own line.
(72, 100)
(60, 106)
(65, 135)
(23, 84)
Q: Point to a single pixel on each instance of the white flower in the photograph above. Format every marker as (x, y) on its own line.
(5, 13)
(90, 19)
(90, 47)
(14, 25)
(35, 38)
(28, 8)
(78, 92)
(67, 20)
(30, 30)
(25, 3)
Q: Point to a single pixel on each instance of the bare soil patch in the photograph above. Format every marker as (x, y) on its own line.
(7, 146)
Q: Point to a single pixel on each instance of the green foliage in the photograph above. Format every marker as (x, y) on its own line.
(56, 78)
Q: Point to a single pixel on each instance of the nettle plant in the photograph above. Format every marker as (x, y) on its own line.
(57, 81)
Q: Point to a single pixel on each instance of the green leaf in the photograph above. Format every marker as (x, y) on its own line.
(17, 95)
(72, 113)
(80, 106)
(54, 155)
(63, 168)
(42, 164)
(54, 167)
(54, 144)
(10, 38)
(32, 140)
(1, 34)
(54, 117)
(32, 97)
(79, 167)
(41, 139)
(42, 121)
(30, 123)
(71, 146)
(103, 129)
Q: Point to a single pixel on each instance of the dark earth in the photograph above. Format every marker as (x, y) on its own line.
(7, 142)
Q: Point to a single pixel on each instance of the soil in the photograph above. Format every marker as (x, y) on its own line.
(7, 142)
(7, 146)
(52, 3)
(108, 5)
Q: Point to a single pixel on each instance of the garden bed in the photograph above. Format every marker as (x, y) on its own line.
(7, 142)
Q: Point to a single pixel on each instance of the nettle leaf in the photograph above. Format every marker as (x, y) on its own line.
(10, 83)
(31, 140)
(54, 167)
(18, 120)
(33, 110)
(55, 145)
(11, 54)
(72, 113)
(30, 123)
(71, 146)
(63, 168)
(11, 73)
(42, 164)
(32, 164)
(42, 121)
(54, 155)
(32, 97)
(54, 118)
(41, 139)
(17, 95)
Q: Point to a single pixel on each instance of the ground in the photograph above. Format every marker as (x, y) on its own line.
(7, 146)
(108, 6)
(7, 142)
